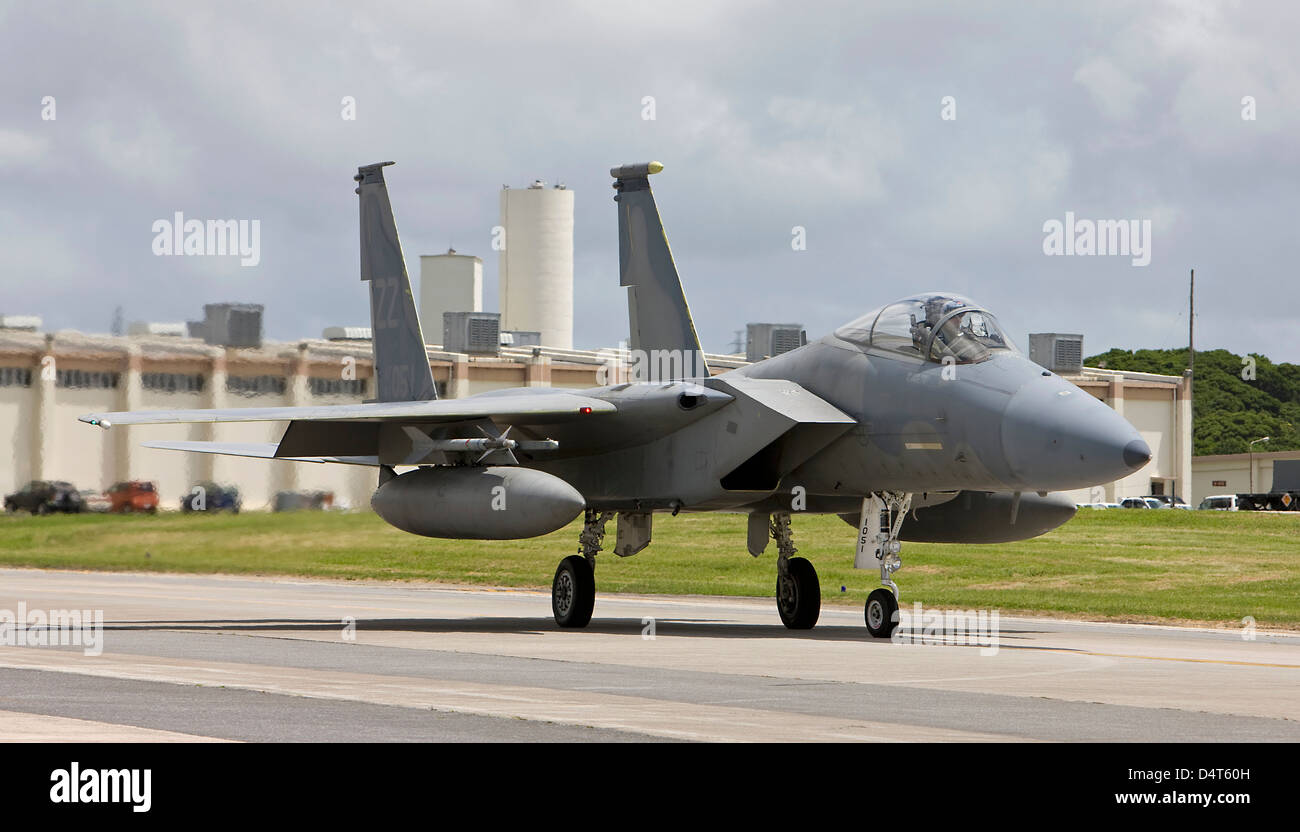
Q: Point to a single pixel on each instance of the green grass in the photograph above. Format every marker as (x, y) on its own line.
(1173, 566)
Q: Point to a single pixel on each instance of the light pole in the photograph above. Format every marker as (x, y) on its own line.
(1251, 446)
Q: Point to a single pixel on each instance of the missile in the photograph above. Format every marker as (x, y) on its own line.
(491, 444)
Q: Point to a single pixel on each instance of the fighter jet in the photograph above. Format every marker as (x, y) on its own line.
(919, 420)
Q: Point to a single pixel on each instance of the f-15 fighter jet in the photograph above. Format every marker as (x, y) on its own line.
(919, 420)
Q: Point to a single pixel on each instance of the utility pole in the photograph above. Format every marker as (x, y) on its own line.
(1185, 472)
(1191, 326)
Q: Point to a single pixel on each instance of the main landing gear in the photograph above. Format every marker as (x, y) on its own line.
(881, 521)
(798, 594)
(573, 590)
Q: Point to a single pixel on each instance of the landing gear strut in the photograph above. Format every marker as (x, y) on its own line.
(573, 590)
(798, 594)
(878, 530)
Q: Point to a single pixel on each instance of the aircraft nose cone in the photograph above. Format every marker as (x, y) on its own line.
(1136, 454)
(1057, 437)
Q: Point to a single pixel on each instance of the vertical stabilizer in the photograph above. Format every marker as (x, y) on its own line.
(402, 371)
(659, 317)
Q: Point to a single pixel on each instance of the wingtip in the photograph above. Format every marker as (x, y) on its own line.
(92, 419)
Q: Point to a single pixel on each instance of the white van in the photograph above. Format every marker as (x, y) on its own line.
(1220, 502)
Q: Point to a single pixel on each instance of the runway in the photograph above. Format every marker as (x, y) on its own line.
(201, 658)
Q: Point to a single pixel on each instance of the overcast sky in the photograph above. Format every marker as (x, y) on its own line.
(767, 116)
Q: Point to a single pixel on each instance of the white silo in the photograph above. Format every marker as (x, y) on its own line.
(536, 274)
(449, 282)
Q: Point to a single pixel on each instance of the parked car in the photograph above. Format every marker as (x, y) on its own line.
(96, 501)
(213, 497)
(300, 500)
(1219, 502)
(1141, 502)
(44, 497)
(1099, 505)
(136, 495)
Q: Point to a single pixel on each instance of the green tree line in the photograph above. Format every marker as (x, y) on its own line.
(1229, 408)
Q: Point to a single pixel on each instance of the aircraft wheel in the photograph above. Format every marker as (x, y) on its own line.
(573, 592)
(881, 613)
(798, 595)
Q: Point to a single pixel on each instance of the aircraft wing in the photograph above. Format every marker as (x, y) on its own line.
(256, 450)
(536, 408)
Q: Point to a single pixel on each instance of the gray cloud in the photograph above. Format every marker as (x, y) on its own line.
(767, 117)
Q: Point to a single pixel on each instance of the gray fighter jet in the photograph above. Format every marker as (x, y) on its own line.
(917, 421)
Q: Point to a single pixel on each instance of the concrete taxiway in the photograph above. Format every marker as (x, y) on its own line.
(222, 658)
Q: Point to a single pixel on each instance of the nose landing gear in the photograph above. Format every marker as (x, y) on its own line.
(878, 546)
(881, 613)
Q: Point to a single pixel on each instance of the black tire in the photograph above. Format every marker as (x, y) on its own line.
(573, 592)
(881, 613)
(799, 595)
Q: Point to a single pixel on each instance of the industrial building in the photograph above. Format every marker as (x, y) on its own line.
(1248, 473)
(536, 263)
(449, 282)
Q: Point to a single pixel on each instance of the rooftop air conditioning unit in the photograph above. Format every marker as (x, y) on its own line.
(767, 340)
(1058, 352)
(232, 324)
(472, 332)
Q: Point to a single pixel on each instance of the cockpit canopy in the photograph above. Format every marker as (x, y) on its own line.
(931, 327)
